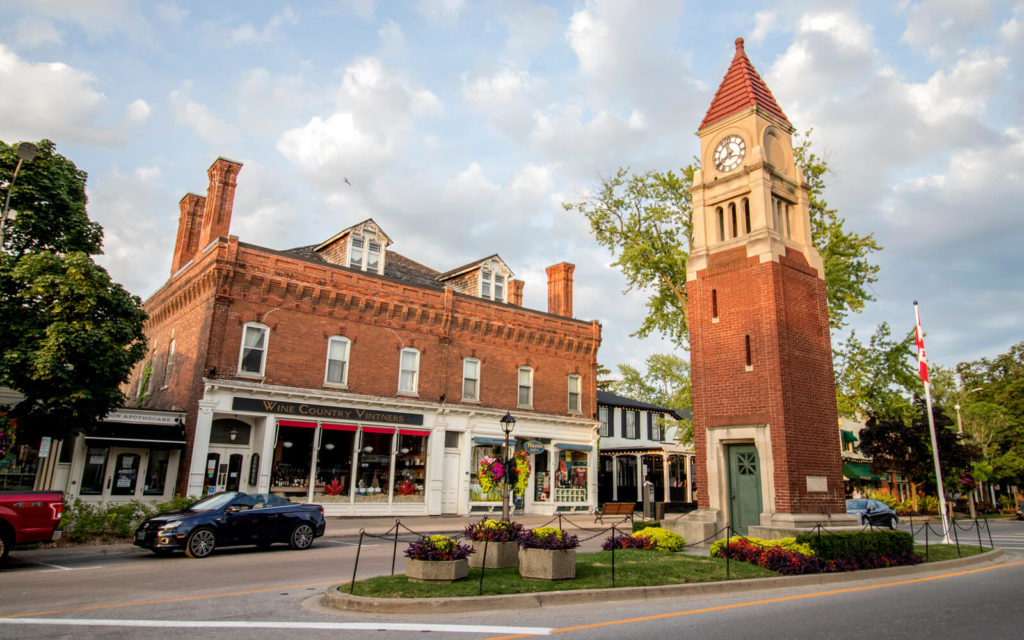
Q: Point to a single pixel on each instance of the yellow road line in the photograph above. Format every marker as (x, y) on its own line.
(740, 605)
(166, 600)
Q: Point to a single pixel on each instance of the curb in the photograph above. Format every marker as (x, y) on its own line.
(335, 598)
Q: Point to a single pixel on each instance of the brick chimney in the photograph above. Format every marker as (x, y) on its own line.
(560, 289)
(220, 198)
(515, 292)
(189, 223)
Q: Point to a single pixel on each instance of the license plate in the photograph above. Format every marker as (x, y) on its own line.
(140, 535)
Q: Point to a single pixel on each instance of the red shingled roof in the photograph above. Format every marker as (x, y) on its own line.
(741, 89)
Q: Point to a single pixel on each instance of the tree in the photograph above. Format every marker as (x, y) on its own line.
(646, 222)
(666, 384)
(905, 448)
(877, 378)
(71, 334)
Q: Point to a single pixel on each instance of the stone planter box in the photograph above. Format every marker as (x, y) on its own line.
(547, 564)
(436, 570)
(500, 555)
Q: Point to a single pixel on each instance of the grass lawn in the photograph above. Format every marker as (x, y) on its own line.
(633, 568)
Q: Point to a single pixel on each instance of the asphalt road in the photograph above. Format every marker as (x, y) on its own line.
(95, 592)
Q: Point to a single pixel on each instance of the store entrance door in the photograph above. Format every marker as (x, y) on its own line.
(450, 484)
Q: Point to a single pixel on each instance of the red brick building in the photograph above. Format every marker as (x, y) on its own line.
(765, 436)
(347, 374)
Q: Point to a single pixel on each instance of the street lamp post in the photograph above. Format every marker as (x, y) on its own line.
(507, 424)
(26, 151)
(960, 431)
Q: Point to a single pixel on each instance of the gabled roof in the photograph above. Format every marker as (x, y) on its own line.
(612, 400)
(458, 271)
(741, 89)
(344, 232)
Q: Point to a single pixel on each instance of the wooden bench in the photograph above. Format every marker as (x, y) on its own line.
(624, 509)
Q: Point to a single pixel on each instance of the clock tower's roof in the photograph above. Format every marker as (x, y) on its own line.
(741, 89)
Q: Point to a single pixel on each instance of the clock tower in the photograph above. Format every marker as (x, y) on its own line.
(766, 432)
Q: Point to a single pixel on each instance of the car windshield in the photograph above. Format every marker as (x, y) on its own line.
(856, 504)
(214, 502)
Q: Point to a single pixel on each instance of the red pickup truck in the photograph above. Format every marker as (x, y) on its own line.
(29, 516)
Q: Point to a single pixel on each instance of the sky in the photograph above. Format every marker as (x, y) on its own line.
(462, 126)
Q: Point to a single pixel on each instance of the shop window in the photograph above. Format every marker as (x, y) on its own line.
(253, 356)
(410, 466)
(470, 380)
(293, 453)
(126, 474)
(408, 376)
(525, 399)
(156, 472)
(93, 471)
(571, 477)
(677, 478)
(626, 489)
(67, 451)
(541, 477)
(574, 394)
(476, 492)
(451, 439)
(602, 414)
(374, 470)
(210, 479)
(334, 463)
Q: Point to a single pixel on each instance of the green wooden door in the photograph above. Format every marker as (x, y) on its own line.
(744, 487)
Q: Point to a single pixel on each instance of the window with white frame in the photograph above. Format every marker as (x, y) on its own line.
(337, 360)
(574, 393)
(499, 288)
(169, 367)
(525, 387)
(408, 376)
(253, 356)
(373, 256)
(656, 428)
(355, 253)
(470, 380)
(602, 415)
(492, 283)
(631, 431)
(486, 278)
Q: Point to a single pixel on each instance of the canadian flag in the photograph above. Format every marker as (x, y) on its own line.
(922, 361)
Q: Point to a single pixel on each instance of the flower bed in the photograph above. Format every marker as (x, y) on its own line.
(650, 538)
(548, 538)
(437, 548)
(793, 557)
(501, 538)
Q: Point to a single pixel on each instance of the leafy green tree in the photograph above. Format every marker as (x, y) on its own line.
(71, 335)
(666, 383)
(877, 378)
(646, 222)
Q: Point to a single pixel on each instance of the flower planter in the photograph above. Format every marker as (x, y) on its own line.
(500, 555)
(547, 564)
(436, 570)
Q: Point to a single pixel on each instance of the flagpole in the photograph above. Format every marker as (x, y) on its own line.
(923, 364)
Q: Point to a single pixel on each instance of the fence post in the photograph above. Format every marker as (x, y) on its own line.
(394, 551)
(559, 521)
(483, 566)
(927, 528)
(956, 536)
(989, 531)
(355, 567)
(614, 544)
(977, 527)
(728, 532)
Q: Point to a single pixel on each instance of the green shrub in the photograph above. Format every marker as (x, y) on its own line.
(83, 520)
(787, 544)
(831, 546)
(643, 524)
(663, 539)
(887, 498)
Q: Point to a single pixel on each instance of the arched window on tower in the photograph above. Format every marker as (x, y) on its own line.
(746, 214)
(721, 224)
(732, 214)
(786, 216)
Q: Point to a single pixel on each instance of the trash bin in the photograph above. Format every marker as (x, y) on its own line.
(648, 501)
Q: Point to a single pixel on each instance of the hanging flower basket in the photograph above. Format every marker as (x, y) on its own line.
(490, 473)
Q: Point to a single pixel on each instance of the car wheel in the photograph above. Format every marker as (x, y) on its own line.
(892, 523)
(302, 536)
(200, 543)
(162, 552)
(5, 542)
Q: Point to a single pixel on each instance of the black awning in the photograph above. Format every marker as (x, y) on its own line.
(131, 434)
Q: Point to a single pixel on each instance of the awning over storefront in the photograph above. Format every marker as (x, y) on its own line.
(860, 471)
(573, 447)
(494, 442)
(848, 436)
(128, 434)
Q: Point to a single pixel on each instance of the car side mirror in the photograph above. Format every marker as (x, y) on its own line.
(235, 508)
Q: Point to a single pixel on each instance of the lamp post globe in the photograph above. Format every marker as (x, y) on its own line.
(507, 424)
(26, 152)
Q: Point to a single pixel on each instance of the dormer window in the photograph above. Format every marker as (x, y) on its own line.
(373, 256)
(492, 284)
(365, 253)
(355, 257)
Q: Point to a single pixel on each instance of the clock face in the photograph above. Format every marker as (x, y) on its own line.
(729, 153)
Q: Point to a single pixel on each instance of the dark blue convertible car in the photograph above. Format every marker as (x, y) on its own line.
(231, 518)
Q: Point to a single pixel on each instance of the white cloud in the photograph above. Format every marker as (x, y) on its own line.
(199, 117)
(441, 12)
(137, 113)
(374, 116)
(35, 31)
(248, 34)
(53, 100)
(943, 27)
(392, 39)
(99, 18)
(171, 12)
(764, 23)
(962, 92)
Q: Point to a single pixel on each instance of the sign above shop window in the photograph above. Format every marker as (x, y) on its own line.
(533, 446)
(324, 411)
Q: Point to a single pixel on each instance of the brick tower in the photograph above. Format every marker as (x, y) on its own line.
(765, 424)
